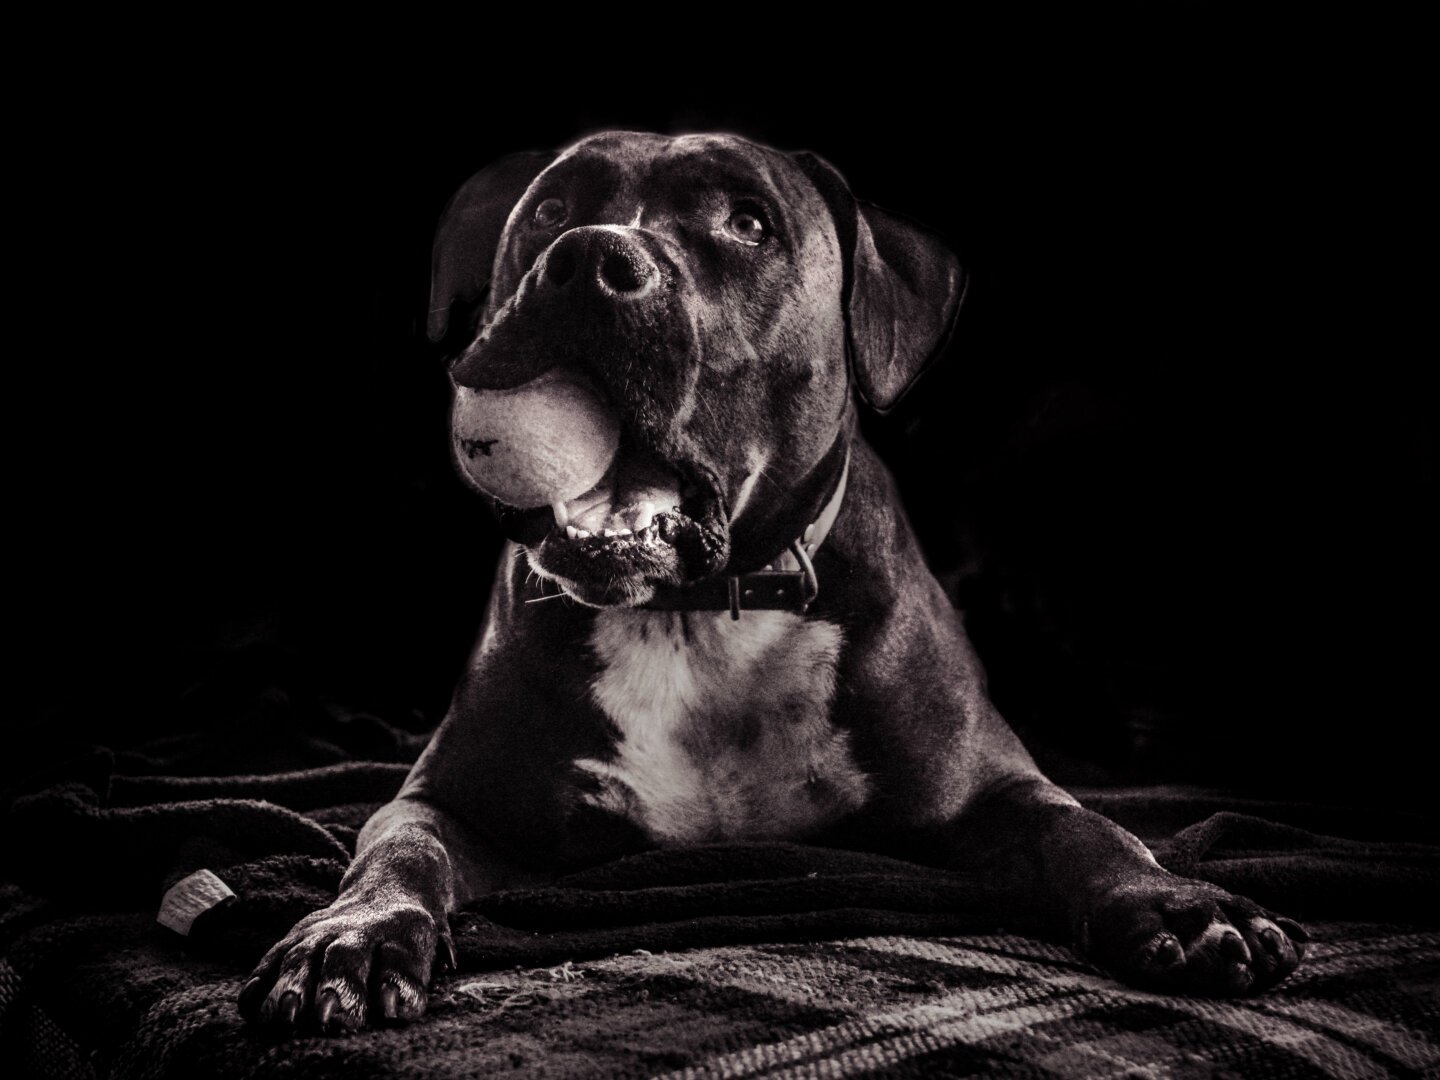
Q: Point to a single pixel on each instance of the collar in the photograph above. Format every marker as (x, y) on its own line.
(787, 584)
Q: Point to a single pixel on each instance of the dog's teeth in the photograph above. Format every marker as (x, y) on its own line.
(582, 534)
(607, 533)
(571, 531)
(623, 532)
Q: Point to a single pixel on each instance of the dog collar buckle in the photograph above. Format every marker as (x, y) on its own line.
(774, 590)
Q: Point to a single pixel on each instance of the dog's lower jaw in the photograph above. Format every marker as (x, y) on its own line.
(623, 592)
(623, 571)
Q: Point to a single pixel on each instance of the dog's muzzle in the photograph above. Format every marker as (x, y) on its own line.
(600, 259)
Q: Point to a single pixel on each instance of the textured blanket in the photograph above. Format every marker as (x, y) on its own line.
(730, 960)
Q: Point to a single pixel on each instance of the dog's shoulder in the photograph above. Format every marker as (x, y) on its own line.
(723, 726)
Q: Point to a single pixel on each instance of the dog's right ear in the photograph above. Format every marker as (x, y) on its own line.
(466, 239)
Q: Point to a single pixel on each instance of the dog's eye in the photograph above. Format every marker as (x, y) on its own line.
(549, 213)
(747, 227)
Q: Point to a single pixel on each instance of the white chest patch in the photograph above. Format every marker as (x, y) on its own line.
(725, 724)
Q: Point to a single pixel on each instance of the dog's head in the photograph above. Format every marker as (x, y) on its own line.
(722, 295)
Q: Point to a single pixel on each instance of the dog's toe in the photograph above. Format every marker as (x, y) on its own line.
(1277, 946)
(399, 983)
(1218, 961)
(292, 989)
(340, 1002)
(1161, 955)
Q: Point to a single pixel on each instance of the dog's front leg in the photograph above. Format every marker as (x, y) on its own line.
(1122, 909)
(367, 957)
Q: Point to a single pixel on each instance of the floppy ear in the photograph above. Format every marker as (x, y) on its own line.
(903, 289)
(468, 234)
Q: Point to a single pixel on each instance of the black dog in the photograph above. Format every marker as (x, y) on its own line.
(758, 650)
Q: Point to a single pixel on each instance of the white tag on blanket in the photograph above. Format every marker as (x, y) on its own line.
(189, 898)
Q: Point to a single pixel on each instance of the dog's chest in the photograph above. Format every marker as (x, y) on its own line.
(724, 725)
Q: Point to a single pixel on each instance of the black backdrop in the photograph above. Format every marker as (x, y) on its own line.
(1176, 466)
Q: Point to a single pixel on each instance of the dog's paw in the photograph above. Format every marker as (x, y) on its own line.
(354, 963)
(1180, 936)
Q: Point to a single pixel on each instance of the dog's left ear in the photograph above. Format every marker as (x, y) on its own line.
(903, 289)
(468, 235)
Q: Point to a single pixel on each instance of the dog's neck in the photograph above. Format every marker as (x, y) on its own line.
(785, 580)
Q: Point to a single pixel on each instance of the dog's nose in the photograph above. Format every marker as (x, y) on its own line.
(601, 258)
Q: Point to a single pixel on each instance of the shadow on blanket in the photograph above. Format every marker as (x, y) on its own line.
(86, 968)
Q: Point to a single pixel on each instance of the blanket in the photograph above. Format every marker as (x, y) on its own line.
(732, 959)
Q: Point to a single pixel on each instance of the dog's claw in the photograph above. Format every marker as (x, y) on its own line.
(1238, 978)
(1164, 953)
(325, 1006)
(251, 995)
(288, 1008)
(389, 1001)
(1294, 931)
(1232, 946)
(451, 961)
(1269, 938)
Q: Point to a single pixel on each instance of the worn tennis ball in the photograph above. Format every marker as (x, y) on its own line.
(543, 442)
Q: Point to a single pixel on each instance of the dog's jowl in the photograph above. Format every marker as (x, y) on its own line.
(731, 633)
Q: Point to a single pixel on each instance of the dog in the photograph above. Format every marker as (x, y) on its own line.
(752, 647)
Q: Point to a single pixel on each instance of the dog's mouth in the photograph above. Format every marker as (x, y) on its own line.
(645, 525)
(635, 500)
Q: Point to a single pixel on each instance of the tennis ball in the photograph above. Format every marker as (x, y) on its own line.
(544, 441)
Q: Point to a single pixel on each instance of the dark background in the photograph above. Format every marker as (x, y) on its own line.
(1176, 465)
